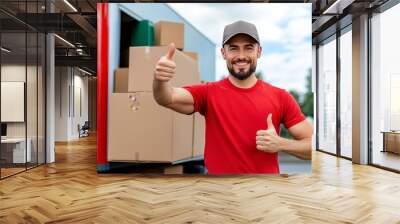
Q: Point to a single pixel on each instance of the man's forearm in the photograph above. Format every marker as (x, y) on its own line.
(162, 92)
(299, 148)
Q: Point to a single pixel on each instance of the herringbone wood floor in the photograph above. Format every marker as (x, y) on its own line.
(70, 191)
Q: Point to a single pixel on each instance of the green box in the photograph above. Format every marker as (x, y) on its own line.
(142, 33)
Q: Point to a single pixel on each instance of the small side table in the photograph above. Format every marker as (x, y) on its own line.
(391, 141)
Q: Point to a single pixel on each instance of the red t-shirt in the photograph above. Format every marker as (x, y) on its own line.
(233, 116)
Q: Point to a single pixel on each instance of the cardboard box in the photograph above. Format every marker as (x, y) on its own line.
(193, 55)
(121, 76)
(166, 32)
(182, 136)
(142, 62)
(197, 78)
(199, 134)
(177, 169)
(140, 130)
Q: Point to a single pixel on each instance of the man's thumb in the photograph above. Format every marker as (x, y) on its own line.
(171, 51)
(270, 125)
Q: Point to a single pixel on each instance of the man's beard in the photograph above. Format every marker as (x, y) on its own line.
(242, 74)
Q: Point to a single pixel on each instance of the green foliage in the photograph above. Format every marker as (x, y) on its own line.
(295, 95)
(285, 132)
(306, 103)
(259, 75)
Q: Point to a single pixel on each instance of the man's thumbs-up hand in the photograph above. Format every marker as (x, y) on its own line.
(270, 125)
(166, 68)
(268, 140)
(171, 51)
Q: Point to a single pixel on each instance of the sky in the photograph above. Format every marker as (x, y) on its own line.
(284, 30)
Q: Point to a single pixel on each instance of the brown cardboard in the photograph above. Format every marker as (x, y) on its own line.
(193, 55)
(140, 130)
(199, 134)
(182, 135)
(187, 70)
(142, 62)
(131, 136)
(166, 32)
(197, 78)
(121, 80)
(177, 169)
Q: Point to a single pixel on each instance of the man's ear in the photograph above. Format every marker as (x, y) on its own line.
(223, 52)
(259, 51)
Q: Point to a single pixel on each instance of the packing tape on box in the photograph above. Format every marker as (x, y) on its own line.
(134, 102)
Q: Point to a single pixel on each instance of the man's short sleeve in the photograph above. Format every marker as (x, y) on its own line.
(199, 93)
(292, 114)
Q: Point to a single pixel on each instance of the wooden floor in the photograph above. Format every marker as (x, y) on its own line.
(70, 191)
(387, 159)
(10, 171)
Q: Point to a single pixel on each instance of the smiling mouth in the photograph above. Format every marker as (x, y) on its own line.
(241, 63)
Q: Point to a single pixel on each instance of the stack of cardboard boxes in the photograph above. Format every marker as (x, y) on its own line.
(140, 130)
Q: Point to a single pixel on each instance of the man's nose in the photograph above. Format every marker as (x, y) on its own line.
(242, 54)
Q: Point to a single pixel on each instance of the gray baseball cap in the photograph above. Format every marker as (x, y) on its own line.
(240, 27)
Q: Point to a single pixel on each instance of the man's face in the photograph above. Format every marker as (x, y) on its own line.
(241, 53)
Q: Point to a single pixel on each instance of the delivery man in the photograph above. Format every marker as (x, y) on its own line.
(243, 114)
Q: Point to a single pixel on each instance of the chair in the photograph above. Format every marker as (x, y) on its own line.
(84, 130)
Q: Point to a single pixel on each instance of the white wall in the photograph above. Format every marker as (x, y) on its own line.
(79, 117)
(13, 73)
(61, 103)
(70, 83)
(16, 73)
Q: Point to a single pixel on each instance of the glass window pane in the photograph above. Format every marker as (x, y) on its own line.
(23, 83)
(385, 86)
(346, 94)
(31, 97)
(41, 98)
(327, 97)
(13, 86)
